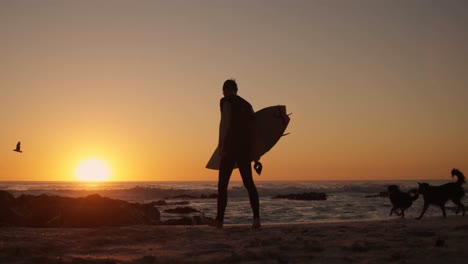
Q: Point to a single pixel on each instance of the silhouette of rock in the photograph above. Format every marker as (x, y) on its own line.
(181, 203)
(182, 210)
(380, 194)
(210, 196)
(183, 196)
(187, 196)
(311, 196)
(159, 203)
(90, 211)
(164, 203)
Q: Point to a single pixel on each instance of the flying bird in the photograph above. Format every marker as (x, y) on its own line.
(18, 147)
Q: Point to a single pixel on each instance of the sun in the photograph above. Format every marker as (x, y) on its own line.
(92, 170)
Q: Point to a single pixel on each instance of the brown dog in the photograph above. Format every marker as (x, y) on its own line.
(439, 195)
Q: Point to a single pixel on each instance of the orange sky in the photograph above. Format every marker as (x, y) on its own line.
(377, 89)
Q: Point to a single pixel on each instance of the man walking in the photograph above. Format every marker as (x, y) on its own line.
(235, 142)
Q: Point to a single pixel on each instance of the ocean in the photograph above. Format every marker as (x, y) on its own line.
(346, 200)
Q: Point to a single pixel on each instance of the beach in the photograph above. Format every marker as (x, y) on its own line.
(130, 127)
(429, 240)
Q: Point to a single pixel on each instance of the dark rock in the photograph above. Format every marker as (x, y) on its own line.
(311, 196)
(184, 196)
(380, 194)
(90, 211)
(181, 203)
(164, 203)
(159, 203)
(187, 196)
(210, 196)
(182, 210)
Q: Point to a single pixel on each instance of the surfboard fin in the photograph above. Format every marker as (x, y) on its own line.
(258, 167)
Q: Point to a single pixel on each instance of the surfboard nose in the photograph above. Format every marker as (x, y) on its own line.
(283, 114)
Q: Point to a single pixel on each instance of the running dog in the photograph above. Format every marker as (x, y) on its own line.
(401, 200)
(439, 195)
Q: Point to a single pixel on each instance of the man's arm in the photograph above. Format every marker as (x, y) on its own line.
(224, 127)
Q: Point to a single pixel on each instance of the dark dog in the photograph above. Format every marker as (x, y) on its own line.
(401, 200)
(439, 195)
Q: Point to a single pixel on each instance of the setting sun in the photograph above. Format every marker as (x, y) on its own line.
(92, 170)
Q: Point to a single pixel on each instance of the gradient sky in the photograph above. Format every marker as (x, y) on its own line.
(378, 89)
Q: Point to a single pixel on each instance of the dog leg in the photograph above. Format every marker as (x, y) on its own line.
(391, 211)
(402, 213)
(459, 205)
(426, 205)
(443, 210)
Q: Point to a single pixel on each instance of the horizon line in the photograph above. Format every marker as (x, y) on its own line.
(257, 180)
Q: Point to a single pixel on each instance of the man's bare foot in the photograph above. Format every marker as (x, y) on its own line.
(256, 223)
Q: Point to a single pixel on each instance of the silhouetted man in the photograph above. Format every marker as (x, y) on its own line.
(235, 142)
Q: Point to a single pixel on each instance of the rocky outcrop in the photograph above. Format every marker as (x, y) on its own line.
(164, 203)
(188, 196)
(380, 194)
(209, 196)
(159, 203)
(182, 210)
(90, 211)
(311, 196)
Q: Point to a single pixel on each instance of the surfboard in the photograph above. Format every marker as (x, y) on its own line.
(268, 127)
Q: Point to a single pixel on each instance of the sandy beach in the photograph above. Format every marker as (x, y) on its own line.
(430, 240)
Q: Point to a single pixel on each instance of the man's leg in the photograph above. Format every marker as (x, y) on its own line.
(246, 173)
(225, 171)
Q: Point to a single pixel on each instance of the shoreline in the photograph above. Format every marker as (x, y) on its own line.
(429, 240)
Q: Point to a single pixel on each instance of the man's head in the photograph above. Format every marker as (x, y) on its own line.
(230, 87)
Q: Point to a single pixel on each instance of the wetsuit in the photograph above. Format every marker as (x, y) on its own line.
(235, 141)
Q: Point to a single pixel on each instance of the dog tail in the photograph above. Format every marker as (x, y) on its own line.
(414, 194)
(460, 176)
